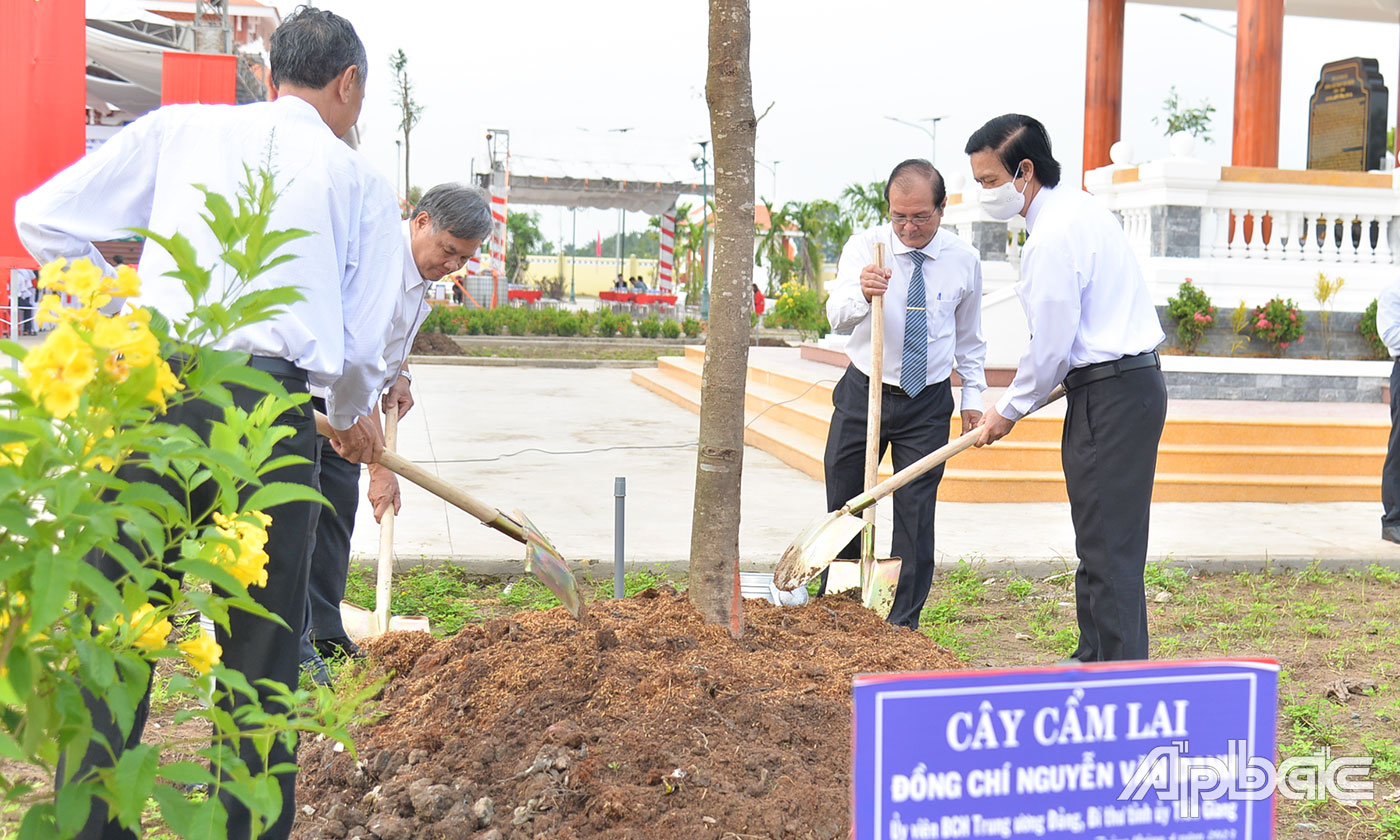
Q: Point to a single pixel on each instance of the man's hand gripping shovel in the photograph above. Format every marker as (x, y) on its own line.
(817, 544)
(541, 558)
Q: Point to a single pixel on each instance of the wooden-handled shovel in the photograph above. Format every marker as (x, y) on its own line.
(817, 544)
(878, 577)
(541, 557)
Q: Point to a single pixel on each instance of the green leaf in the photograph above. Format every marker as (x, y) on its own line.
(135, 775)
(280, 493)
(73, 803)
(187, 773)
(205, 820)
(39, 823)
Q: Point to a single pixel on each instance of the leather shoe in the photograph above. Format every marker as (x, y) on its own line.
(315, 667)
(1390, 533)
(338, 646)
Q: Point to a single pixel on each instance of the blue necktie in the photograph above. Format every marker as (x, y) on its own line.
(913, 370)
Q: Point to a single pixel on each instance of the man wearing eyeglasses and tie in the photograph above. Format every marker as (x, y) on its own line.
(931, 291)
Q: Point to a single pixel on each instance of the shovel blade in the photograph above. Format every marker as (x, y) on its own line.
(815, 548)
(547, 564)
(879, 580)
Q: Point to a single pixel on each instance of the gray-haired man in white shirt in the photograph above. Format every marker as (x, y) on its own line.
(443, 231)
(1093, 327)
(931, 291)
(144, 177)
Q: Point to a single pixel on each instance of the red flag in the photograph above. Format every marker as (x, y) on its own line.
(598, 248)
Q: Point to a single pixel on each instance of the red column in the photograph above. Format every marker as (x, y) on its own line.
(1103, 81)
(205, 78)
(1258, 82)
(42, 99)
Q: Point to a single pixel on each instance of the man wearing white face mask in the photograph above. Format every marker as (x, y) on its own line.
(1093, 328)
(931, 291)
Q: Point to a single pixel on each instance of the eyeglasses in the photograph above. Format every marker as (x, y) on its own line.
(901, 220)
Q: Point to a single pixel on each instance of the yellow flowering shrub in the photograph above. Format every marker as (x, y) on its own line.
(88, 400)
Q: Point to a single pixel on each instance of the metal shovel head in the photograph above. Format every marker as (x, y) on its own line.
(544, 561)
(880, 579)
(360, 623)
(815, 548)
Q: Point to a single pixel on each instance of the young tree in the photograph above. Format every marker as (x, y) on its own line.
(714, 533)
(1193, 121)
(409, 109)
(865, 204)
(523, 235)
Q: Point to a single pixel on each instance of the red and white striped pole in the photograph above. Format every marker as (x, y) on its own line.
(666, 262)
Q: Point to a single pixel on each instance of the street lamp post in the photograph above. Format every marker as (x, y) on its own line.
(702, 163)
(931, 132)
(573, 260)
(774, 170)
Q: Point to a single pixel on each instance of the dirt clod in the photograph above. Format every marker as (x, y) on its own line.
(643, 723)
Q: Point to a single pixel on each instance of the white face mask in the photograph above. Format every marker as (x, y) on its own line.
(1005, 201)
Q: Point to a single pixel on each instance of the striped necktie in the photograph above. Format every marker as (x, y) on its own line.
(913, 370)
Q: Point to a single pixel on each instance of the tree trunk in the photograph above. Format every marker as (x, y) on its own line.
(407, 184)
(714, 534)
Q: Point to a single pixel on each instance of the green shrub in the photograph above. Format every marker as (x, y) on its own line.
(670, 329)
(1368, 330)
(691, 327)
(1193, 313)
(587, 322)
(516, 321)
(799, 308)
(624, 325)
(1278, 323)
(649, 327)
(566, 324)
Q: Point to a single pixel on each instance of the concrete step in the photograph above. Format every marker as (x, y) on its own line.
(1273, 459)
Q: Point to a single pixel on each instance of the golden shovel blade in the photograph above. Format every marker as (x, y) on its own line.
(546, 563)
(815, 548)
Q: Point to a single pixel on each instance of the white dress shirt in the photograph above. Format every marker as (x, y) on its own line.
(1388, 316)
(144, 177)
(410, 310)
(953, 295)
(1083, 294)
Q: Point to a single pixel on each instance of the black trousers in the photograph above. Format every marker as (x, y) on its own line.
(1390, 473)
(339, 482)
(1109, 454)
(914, 427)
(257, 648)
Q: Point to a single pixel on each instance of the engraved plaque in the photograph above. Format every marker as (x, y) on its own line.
(1346, 117)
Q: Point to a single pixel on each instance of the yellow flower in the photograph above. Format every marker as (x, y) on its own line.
(101, 462)
(59, 369)
(152, 632)
(128, 283)
(249, 564)
(166, 384)
(128, 340)
(84, 281)
(12, 453)
(202, 652)
(16, 605)
(50, 310)
(51, 274)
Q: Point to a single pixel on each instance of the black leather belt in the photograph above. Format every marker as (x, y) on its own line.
(1081, 376)
(277, 367)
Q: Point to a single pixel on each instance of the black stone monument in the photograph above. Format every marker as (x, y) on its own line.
(1347, 117)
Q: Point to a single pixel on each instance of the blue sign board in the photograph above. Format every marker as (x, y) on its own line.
(1108, 751)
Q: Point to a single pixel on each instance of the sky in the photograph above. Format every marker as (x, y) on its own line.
(565, 78)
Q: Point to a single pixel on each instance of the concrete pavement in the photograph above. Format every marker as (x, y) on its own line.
(551, 441)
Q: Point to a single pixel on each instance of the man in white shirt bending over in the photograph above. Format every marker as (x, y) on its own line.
(441, 234)
(144, 177)
(931, 291)
(1093, 327)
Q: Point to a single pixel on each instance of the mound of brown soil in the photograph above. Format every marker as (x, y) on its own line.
(436, 344)
(642, 723)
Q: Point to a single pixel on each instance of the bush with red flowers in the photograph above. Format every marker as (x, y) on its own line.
(1278, 324)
